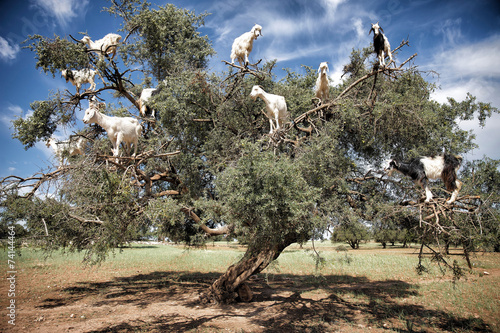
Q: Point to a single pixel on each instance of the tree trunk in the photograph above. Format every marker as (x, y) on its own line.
(232, 284)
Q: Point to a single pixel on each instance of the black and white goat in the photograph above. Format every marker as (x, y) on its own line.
(380, 44)
(425, 168)
(79, 77)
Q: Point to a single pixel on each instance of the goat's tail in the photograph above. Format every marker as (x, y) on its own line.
(449, 175)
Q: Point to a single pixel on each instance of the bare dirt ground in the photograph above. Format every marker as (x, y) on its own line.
(155, 301)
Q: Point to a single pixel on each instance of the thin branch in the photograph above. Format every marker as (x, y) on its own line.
(83, 220)
(246, 70)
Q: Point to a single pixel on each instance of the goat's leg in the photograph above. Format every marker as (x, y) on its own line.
(119, 139)
(271, 125)
(425, 184)
(277, 118)
(246, 59)
(455, 192)
(135, 147)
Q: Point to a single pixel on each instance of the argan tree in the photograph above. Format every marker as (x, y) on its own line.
(207, 165)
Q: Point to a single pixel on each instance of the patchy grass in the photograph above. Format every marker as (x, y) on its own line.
(154, 288)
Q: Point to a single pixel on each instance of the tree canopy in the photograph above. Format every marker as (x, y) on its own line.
(207, 165)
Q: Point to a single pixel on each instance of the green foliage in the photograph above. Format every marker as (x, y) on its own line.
(54, 55)
(482, 178)
(167, 41)
(266, 199)
(47, 116)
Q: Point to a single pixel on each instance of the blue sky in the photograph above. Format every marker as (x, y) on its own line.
(460, 40)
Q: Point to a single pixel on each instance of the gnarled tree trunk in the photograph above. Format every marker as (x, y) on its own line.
(232, 283)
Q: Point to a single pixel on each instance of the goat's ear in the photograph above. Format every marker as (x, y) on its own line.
(369, 32)
(380, 28)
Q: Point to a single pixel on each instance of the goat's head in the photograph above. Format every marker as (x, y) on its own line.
(391, 166)
(49, 142)
(89, 116)
(256, 30)
(323, 68)
(375, 28)
(85, 40)
(256, 92)
(67, 74)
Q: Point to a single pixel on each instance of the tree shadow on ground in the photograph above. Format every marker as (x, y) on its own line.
(285, 303)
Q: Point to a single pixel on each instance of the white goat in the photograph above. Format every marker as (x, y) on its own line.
(275, 105)
(124, 130)
(322, 87)
(242, 46)
(422, 169)
(146, 94)
(380, 44)
(69, 147)
(106, 45)
(79, 77)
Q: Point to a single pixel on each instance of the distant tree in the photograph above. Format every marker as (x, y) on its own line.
(352, 233)
(208, 167)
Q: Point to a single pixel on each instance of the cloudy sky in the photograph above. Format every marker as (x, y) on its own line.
(459, 40)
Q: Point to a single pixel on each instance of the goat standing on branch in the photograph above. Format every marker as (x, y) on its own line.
(104, 46)
(380, 44)
(275, 105)
(119, 129)
(421, 169)
(322, 86)
(79, 77)
(146, 94)
(71, 147)
(242, 46)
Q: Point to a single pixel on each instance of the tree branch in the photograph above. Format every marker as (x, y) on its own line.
(211, 232)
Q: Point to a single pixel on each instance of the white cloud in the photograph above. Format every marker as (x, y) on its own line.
(8, 51)
(10, 113)
(358, 27)
(472, 60)
(64, 11)
(472, 68)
